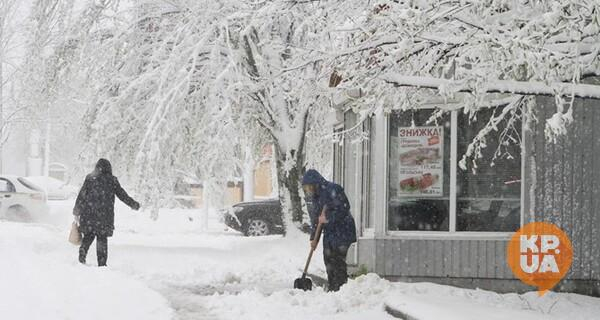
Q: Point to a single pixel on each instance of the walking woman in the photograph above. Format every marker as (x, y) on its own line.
(95, 209)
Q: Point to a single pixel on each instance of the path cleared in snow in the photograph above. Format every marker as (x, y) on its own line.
(169, 269)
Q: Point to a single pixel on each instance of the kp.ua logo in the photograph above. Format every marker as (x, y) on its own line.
(540, 255)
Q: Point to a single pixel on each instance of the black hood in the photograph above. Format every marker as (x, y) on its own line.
(103, 167)
(313, 176)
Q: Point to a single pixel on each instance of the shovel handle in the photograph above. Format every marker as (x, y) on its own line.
(314, 244)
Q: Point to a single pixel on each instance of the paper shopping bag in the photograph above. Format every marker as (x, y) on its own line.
(75, 235)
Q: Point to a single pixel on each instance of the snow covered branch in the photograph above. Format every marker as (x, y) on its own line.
(497, 86)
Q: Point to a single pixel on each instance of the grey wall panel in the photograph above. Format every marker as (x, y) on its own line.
(392, 248)
(447, 261)
(404, 261)
(585, 237)
(455, 257)
(595, 219)
(439, 256)
(576, 173)
(482, 259)
(463, 259)
(500, 259)
(507, 273)
(446, 258)
(567, 182)
(490, 258)
(380, 252)
(540, 166)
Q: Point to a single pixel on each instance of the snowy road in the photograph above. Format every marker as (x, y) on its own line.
(168, 269)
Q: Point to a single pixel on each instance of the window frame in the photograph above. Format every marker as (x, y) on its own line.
(452, 233)
(339, 150)
(11, 186)
(367, 217)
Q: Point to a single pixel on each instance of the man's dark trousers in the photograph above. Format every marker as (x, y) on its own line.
(101, 248)
(335, 264)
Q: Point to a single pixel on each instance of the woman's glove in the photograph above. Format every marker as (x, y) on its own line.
(136, 206)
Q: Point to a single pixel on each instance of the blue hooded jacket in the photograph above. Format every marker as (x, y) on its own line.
(341, 229)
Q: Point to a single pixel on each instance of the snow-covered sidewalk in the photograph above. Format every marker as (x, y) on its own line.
(40, 278)
(169, 269)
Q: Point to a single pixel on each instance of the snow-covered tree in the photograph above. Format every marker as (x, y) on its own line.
(163, 100)
(477, 53)
(191, 84)
(61, 39)
(8, 25)
(276, 49)
(195, 85)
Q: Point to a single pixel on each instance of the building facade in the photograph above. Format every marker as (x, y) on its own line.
(422, 217)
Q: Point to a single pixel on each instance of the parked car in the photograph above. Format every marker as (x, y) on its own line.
(57, 189)
(255, 218)
(20, 200)
(258, 218)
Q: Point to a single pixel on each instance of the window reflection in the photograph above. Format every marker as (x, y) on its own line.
(488, 192)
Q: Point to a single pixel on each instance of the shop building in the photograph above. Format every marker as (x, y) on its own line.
(422, 217)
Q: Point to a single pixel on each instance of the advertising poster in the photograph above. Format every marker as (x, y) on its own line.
(421, 163)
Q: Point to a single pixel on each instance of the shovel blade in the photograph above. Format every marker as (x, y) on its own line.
(303, 284)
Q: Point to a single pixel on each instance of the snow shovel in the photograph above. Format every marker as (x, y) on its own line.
(303, 282)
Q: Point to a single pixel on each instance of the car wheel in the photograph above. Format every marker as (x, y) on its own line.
(18, 213)
(256, 228)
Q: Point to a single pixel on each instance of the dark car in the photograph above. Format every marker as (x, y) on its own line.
(255, 218)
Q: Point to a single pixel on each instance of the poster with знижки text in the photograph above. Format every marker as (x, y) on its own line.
(420, 153)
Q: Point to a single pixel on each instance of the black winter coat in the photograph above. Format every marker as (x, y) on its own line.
(95, 204)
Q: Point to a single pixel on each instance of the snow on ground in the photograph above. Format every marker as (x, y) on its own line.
(431, 301)
(40, 279)
(170, 269)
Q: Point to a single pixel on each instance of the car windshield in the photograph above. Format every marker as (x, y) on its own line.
(29, 185)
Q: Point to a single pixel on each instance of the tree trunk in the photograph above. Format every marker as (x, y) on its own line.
(249, 166)
(290, 184)
(206, 185)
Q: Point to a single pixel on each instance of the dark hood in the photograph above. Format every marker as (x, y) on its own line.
(313, 176)
(103, 167)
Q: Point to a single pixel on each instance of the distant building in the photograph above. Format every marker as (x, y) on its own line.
(189, 192)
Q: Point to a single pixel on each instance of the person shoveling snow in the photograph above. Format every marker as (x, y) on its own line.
(339, 230)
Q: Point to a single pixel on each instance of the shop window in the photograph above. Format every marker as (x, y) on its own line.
(488, 192)
(419, 171)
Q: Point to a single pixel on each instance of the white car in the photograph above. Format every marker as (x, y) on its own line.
(20, 200)
(56, 189)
